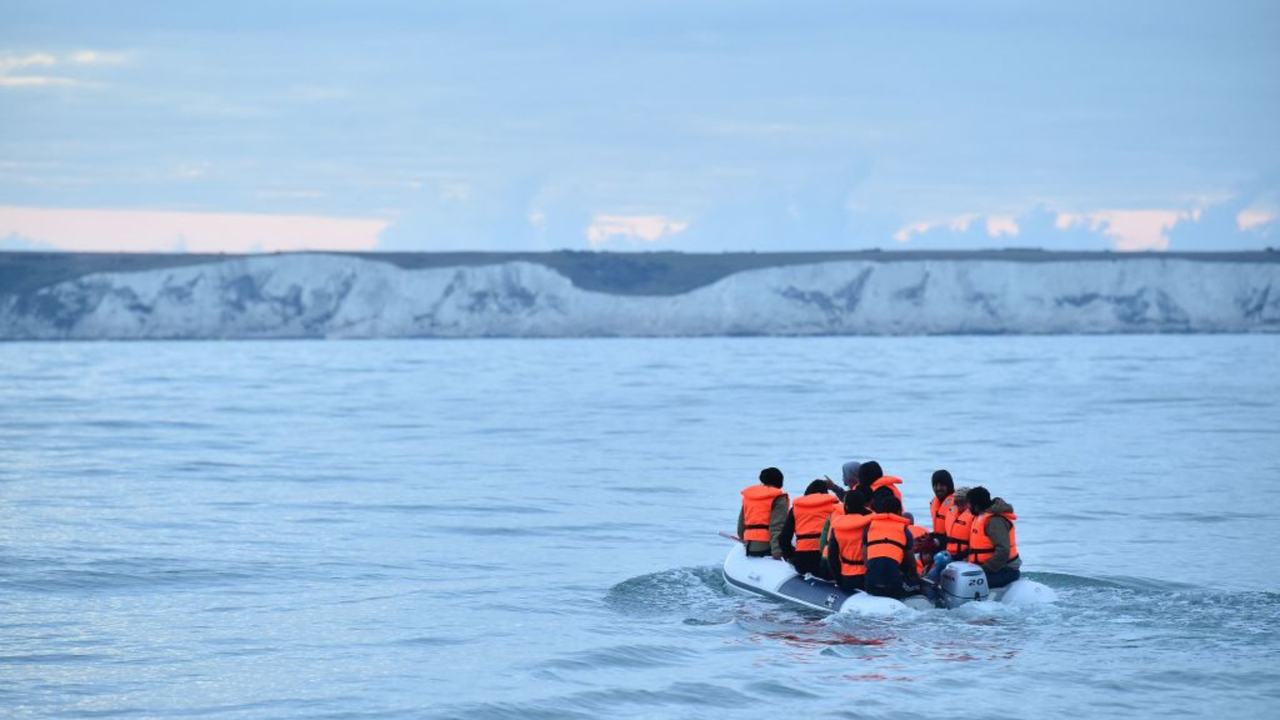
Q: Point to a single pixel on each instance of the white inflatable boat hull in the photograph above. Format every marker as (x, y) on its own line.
(778, 580)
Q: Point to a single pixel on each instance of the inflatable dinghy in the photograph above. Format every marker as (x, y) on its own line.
(960, 583)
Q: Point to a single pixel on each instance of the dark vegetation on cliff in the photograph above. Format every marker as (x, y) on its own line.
(639, 273)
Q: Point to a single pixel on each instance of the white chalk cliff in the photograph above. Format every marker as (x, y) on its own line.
(337, 296)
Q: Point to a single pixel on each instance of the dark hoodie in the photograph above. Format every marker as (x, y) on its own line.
(998, 531)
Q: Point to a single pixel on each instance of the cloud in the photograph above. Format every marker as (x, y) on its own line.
(1131, 230)
(959, 224)
(35, 81)
(1233, 224)
(8, 65)
(1039, 227)
(539, 211)
(163, 231)
(994, 226)
(35, 60)
(1000, 225)
(359, 110)
(527, 211)
(95, 57)
(81, 58)
(806, 207)
(1127, 230)
(632, 228)
(1243, 222)
(1251, 219)
(802, 210)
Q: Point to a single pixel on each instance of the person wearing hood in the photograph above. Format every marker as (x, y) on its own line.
(763, 513)
(993, 541)
(848, 475)
(958, 521)
(944, 488)
(861, 477)
(808, 516)
(868, 473)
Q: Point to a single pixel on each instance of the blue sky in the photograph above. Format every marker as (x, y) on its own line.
(696, 126)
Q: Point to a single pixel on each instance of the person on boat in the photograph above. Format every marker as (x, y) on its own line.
(809, 514)
(763, 513)
(911, 518)
(993, 542)
(890, 482)
(868, 473)
(927, 551)
(848, 475)
(918, 534)
(944, 488)
(958, 521)
(862, 499)
(890, 562)
(844, 541)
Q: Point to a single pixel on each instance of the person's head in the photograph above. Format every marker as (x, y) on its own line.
(771, 476)
(961, 497)
(943, 485)
(926, 545)
(869, 472)
(911, 518)
(884, 501)
(855, 501)
(816, 487)
(849, 473)
(979, 500)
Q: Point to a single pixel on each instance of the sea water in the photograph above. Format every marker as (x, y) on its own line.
(527, 529)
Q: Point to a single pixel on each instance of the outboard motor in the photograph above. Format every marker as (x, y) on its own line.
(961, 582)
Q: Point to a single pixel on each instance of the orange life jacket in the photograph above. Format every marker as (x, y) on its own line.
(918, 532)
(847, 531)
(811, 513)
(890, 482)
(757, 501)
(939, 510)
(885, 536)
(981, 549)
(958, 522)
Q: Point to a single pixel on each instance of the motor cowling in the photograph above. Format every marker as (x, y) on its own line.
(962, 582)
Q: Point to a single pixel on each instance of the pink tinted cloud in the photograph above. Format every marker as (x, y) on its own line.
(641, 228)
(1130, 230)
(1250, 219)
(998, 225)
(164, 231)
(1126, 229)
(994, 225)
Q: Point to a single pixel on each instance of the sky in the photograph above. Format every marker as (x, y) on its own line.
(720, 125)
